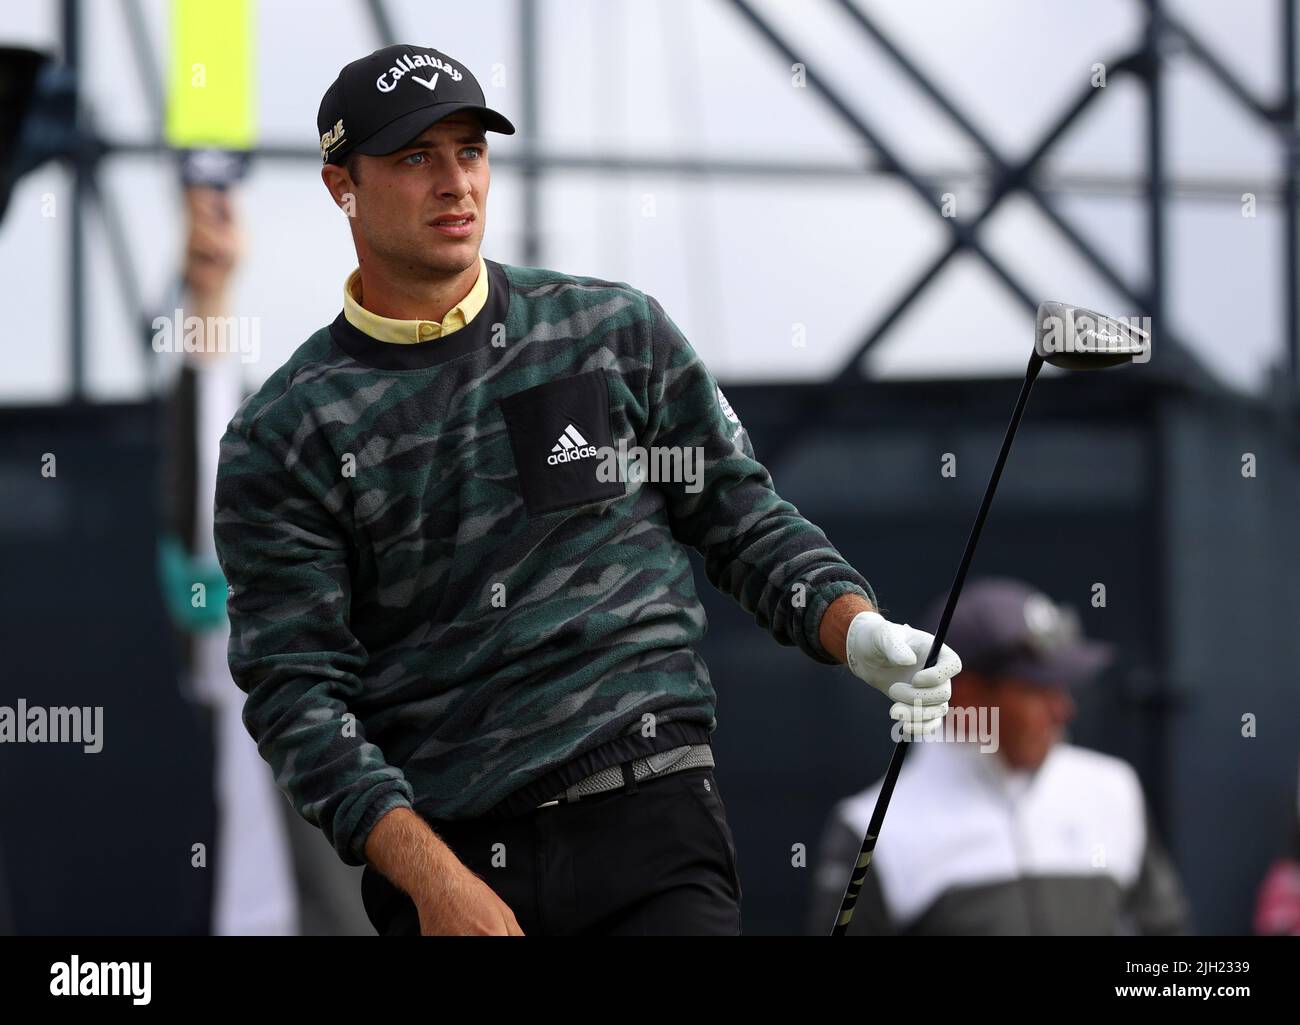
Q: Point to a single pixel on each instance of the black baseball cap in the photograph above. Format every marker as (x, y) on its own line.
(1006, 628)
(381, 102)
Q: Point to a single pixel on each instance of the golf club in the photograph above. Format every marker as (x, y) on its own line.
(1065, 336)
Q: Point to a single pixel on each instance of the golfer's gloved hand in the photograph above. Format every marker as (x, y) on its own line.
(889, 656)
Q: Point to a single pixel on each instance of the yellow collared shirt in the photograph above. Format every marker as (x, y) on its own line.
(409, 332)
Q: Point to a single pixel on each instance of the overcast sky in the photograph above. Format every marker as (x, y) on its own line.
(746, 267)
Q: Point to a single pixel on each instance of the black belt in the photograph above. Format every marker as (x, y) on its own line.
(689, 756)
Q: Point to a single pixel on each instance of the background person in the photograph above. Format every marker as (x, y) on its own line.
(253, 888)
(1277, 902)
(272, 873)
(1037, 837)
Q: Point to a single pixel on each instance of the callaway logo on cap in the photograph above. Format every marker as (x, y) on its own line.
(381, 102)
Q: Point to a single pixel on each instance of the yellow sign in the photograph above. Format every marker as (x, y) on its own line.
(210, 95)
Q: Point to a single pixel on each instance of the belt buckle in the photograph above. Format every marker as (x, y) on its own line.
(657, 763)
(665, 760)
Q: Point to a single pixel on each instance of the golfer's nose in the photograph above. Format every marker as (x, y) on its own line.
(453, 181)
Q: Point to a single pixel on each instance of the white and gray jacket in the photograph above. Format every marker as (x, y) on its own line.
(970, 847)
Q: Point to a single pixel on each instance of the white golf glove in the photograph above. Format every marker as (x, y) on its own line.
(887, 655)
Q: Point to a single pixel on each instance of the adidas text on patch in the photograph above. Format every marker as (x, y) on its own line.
(571, 447)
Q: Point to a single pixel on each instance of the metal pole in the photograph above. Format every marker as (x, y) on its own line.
(70, 24)
(1155, 165)
(529, 126)
(1158, 710)
(1290, 174)
(382, 23)
(137, 30)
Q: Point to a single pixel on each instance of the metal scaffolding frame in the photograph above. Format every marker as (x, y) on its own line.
(84, 150)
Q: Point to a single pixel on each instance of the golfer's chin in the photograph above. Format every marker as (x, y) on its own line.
(450, 256)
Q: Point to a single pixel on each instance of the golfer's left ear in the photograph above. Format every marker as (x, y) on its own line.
(338, 183)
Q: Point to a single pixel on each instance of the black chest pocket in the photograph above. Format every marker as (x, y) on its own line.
(560, 434)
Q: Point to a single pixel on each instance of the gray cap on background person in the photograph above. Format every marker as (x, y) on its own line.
(1004, 627)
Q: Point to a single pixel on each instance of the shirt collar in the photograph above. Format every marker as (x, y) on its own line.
(410, 332)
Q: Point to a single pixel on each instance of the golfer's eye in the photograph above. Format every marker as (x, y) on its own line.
(476, 150)
(412, 157)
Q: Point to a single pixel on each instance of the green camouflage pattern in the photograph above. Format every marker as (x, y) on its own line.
(379, 670)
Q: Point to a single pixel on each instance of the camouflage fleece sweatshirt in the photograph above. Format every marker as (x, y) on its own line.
(436, 600)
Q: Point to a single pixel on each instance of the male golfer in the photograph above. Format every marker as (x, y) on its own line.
(453, 526)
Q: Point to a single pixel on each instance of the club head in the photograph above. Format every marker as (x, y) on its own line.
(1073, 338)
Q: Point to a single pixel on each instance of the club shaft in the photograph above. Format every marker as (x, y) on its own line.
(859, 874)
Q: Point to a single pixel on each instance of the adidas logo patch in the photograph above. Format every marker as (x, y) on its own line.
(571, 447)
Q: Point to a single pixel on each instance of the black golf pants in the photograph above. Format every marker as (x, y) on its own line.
(657, 860)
